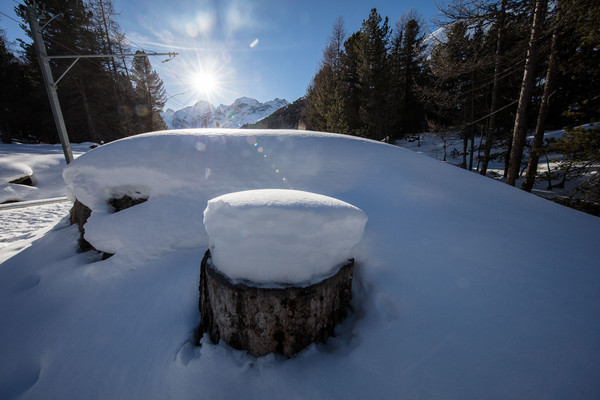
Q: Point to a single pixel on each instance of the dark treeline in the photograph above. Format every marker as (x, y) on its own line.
(497, 70)
(102, 99)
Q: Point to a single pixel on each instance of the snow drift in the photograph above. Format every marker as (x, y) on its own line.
(465, 288)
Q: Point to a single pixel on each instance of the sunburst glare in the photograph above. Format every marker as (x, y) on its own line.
(205, 83)
(210, 78)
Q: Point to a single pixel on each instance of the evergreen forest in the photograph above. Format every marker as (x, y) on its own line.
(495, 73)
(102, 99)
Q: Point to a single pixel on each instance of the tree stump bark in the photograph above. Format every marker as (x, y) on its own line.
(266, 320)
(80, 213)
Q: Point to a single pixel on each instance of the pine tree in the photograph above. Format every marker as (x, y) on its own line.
(452, 76)
(407, 77)
(373, 75)
(84, 92)
(113, 42)
(150, 94)
(576, 99)
(499, 24)
(326, 105)
(13, 118)
(520, 126)
(538, 138)
(580, 151)
(351, 84)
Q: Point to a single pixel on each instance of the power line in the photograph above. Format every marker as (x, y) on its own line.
(9, 17)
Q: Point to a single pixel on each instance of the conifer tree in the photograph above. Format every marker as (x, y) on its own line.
(350, 83)
(13, 114)
(452, 83)
(373, 75)
(150, 94)
(576, 99)
(83, 92)
(520, 126)
(499, 24)
(407, 77)
(326, 105)
(113, 42)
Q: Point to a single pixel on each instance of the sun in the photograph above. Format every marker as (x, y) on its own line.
(205, 83)
(209, 78)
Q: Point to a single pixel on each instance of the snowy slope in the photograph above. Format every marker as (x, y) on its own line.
(205, 115)
(465, 288)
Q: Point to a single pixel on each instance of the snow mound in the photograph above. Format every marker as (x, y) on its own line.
(179, 171)
(464, 288)
(278, 236)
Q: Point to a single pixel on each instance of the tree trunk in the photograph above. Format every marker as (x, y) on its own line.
(489, 137)
(520, 127)
(266, 320)
(538, 139)
(116, 81)
(86, 109)
(471, 125)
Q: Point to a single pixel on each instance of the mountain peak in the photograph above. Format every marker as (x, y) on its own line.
(246, 100)
(203, 114)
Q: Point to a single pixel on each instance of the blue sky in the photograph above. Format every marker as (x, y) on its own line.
(262, 49)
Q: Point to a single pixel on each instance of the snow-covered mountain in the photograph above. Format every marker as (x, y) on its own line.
(203, 114)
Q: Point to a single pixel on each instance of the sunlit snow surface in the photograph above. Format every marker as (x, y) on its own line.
(272, 237)
(464, 288)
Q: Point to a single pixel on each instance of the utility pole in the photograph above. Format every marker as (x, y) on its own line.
(51, 85)
(40, 48)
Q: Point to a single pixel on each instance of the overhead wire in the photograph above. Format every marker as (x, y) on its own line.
(9, 17)
(177, 76)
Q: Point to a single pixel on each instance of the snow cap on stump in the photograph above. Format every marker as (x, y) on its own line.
(274, 237)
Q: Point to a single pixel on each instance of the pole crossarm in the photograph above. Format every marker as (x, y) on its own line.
(64, 73)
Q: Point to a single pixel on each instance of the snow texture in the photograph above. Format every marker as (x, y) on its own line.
(464, 287)
(276, 236)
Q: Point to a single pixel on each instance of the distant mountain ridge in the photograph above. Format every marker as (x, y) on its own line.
(288, 117)
(203, 114)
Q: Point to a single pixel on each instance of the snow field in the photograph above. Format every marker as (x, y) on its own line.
(464, 288)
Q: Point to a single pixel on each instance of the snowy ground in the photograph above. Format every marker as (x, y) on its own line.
(21, 224)
(432, 145)
(37, 207)
(465, 288)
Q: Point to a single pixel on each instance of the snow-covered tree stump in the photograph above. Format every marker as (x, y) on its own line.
(278, 274)
(80, 213)
(272, 320)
